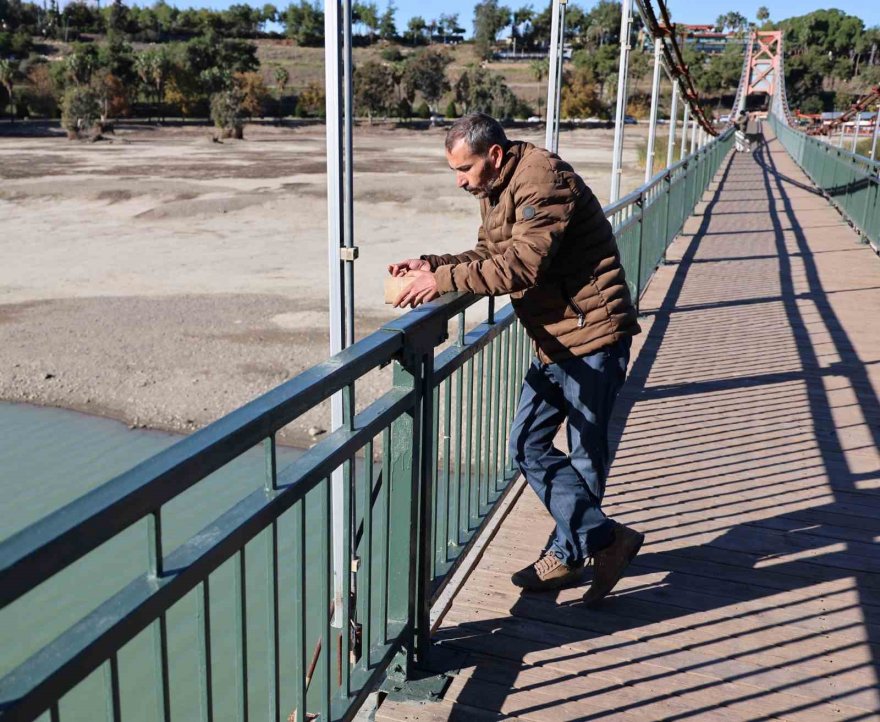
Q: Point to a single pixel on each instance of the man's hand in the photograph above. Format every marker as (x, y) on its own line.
(410, 264)
(421, 290)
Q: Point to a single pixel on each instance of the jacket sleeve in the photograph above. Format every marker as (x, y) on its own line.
(543, 211)
(480, 252)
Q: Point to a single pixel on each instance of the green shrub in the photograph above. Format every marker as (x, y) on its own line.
(404, 109)
(80, 110)
(451, 110)
(422, 111)
(392, 54)
(228, 112)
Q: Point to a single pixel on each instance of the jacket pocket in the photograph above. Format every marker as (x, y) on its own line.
(581, 316)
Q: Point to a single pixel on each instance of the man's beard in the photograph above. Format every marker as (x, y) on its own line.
(483, 191)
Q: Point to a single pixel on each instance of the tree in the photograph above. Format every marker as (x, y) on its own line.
(111, 94)
(539, 70)
(228, 113)
(80, 111)
(387, 27)
(602, 63)
(153, 67)
(763, 14)
(518, 19)
(579, 97)
(415, 30)
(118, 19)
(368, 15)
(304, 22)
(489, 19)
(254, 93)
(40, 96)
(479, 90)
(8, 74)
(602, 24)
(282, 78)
(373, 88)
(312, 100)
(425, 72)
(81, 63)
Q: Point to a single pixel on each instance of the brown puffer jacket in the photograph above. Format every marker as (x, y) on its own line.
(545, 241)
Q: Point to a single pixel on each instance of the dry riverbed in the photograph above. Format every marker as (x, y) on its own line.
(164, 280)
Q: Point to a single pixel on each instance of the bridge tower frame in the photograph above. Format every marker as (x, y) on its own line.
(763, 64)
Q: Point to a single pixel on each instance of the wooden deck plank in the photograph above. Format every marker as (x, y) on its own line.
(746, 448)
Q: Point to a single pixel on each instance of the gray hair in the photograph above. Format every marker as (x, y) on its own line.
(479, 131)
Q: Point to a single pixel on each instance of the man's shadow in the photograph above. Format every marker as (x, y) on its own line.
(808, 529)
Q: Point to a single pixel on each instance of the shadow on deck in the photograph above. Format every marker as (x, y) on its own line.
(747, 452)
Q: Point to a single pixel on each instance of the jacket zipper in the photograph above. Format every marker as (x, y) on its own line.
(582, 319)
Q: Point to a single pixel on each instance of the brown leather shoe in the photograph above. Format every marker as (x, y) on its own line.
(547, 573)
(610, 563)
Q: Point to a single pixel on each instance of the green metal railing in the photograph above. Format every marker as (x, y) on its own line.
(851, 182)
(243, 608)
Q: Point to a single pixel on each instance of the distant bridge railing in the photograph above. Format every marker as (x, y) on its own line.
(440, 432)
(851, 182)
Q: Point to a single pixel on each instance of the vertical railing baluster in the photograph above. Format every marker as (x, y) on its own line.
(490, 439)
(274, 646)
(441, 531)
(241, 653)
(365, 571)
(299, 635)
(160, 626)
(463, 491)
(452, 510)
(384, 504)
(111, 679)
(206, 676)
(54, 713)
(476, 484)
(503, 350)
(344, 658)
(325, 598)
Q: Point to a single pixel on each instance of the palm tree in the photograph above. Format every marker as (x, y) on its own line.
(539, 69)
(8, 73)
(282, 78)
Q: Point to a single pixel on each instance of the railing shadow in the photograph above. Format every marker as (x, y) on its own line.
(795, 518)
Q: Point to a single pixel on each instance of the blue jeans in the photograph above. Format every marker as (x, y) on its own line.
(582, 391)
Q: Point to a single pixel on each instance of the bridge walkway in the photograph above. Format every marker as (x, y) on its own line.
(748, 455)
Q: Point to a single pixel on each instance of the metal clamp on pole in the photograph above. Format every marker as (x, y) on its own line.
(349, 253)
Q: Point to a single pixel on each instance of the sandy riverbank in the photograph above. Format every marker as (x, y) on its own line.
(164, 280)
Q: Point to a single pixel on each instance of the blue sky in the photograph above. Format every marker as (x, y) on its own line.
(682, 11)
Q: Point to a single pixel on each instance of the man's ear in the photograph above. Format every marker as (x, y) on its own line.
(496, 155)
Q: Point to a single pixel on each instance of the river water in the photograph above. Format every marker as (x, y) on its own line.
(48, 457)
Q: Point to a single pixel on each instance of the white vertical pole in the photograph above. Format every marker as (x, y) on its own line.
(693, 136)
(553, 71)
(655, 98)
(673, 121)
(876, 132)
(348, 170)
(561, 55)
(684, 130)
(335, 103)
(856, 133)
(617, 152)
(840, 137)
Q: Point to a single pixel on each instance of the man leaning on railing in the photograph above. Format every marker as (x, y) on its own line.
(545, 240)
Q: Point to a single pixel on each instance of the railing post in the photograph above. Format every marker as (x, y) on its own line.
(641, 206)
(412, 471)
(667, 186)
